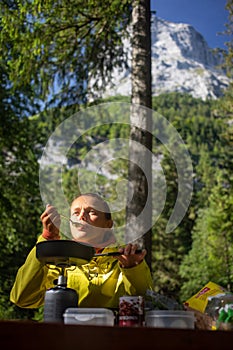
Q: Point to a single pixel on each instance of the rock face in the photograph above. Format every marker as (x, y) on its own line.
(181, 62)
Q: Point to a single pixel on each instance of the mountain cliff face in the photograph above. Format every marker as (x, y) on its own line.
(181, 62)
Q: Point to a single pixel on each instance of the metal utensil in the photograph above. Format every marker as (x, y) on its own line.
(74, 223)
(77, 224)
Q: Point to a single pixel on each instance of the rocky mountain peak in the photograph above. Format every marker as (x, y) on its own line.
(184, 40)
(181, 62)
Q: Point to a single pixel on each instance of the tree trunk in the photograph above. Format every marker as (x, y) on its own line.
(139, 206)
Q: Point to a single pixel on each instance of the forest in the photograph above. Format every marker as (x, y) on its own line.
(199, 249)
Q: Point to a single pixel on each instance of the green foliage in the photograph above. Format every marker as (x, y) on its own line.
(205, 129)
(168, 249)
(19, 200)
(63, 44)
(211, 256)
(174, 255)
(229, 30)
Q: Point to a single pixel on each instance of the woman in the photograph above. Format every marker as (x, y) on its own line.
(99, 283)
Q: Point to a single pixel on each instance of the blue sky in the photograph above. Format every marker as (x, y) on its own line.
(208, 17)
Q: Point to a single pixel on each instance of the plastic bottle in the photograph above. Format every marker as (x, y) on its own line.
(220, 309)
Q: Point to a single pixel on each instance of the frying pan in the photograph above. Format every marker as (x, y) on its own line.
(67, 253)
(64, 253)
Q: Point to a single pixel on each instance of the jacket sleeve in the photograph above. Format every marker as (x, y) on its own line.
(31, 282)
(137, 279)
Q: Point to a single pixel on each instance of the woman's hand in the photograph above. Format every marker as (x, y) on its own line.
(51, 223)
(129, 258)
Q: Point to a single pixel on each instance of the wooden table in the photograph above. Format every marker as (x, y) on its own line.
(47, 336)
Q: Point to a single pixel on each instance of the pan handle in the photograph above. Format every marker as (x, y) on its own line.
(138, 251)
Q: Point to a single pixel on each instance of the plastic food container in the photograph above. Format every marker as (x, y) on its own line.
(89, 316)
(170, 319)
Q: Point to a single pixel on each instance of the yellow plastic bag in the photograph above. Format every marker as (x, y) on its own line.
(199, 301)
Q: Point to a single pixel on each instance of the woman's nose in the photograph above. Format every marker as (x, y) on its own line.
(82, 215)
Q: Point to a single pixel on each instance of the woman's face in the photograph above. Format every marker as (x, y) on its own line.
(89, 212)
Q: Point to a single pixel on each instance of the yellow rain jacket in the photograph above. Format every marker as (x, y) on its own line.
(99, 283)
